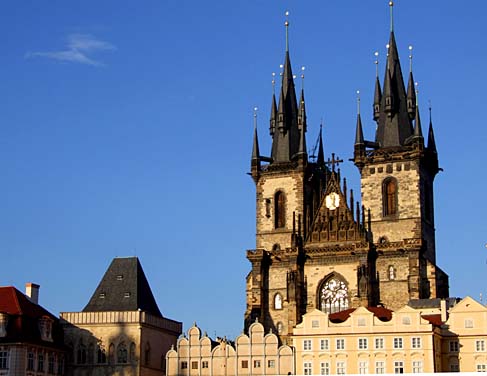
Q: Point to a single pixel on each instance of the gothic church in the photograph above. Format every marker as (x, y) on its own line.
(319, 248)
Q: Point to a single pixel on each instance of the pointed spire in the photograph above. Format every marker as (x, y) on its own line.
(273, 119)
(431, 135)
(321, 153)
(378, 91)
(394, 126)
(411, 94)
(255, 146)
(359, 134)
(418, 133)
(391, 6)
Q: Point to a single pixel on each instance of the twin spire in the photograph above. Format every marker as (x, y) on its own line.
(395, 109)
(288, 121)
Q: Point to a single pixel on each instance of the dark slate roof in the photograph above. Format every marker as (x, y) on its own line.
(431, 303)
(124, 287)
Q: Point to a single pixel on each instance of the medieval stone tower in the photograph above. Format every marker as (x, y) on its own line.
(316, 247)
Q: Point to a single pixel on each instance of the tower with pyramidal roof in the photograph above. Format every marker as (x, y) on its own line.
(318, 248)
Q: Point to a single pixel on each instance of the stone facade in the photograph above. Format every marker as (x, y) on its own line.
(254, 354)
(118, 343)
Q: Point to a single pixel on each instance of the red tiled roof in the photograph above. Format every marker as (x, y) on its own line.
(381, 313)
(433, 319)
(13, 302)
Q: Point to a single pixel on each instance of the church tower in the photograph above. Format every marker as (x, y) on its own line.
(397, 175)
(313, 244)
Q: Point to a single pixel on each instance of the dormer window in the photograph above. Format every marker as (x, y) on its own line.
(45, 328)
(3, 324)
(120, 277)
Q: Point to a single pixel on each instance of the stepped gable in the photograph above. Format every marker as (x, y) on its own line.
(124, 287)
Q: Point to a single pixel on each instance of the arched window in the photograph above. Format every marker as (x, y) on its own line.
(111, 353)
(101, 356)
(278, 301)
(91, 353)
(132, 353)
(391, 273)
(122, 353)
(279, 210)
(333, 295)
(147, 354)
(389, 196)
(81, 353)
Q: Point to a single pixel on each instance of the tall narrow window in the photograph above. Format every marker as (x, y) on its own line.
(122, 353)
(389, 195)
(278, 301)
(279, 210)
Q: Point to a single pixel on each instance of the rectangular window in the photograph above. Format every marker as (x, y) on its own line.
(361, 322)
(416, 342)
(30, 361)
(399, 367)
(184, 365)
(245, 364)
(307, 345)
(363, 367)
(315, 324)
(256, 363)
(417, 366)
(380, 367)
(324, 344)
(50, 364)
(341, 368)
(271, 363)
(398, 342)
(481, 367)
(308, 368)
(324, 368)
(340, 344)
(362, 344)
(3, 359)
(480, 345)
(454, 346)
(40, 363)
(468, 323)
(194, 365)
(204, 364)
(379, 343)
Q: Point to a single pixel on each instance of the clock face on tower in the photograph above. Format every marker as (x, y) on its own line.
(332, 201)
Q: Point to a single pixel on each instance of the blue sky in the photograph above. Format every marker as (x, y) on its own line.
(126, 130)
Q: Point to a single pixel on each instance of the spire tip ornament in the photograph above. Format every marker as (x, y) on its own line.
(286, 24)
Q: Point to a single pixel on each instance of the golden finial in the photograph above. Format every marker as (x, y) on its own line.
(376, 62)
(410, 58)
(286, 23)
(391, 6)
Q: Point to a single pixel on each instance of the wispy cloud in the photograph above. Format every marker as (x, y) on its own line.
(79, 49)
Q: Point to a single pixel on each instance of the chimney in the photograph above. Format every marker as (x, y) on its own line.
(444, 310)
(32, 292)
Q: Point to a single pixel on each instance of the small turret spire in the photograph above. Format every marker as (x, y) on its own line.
(272, 127)
(418, 133)
(359, 134)
(411, 93)
(431, 135)
(378, 91)
(255, 147)
(321, 153)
